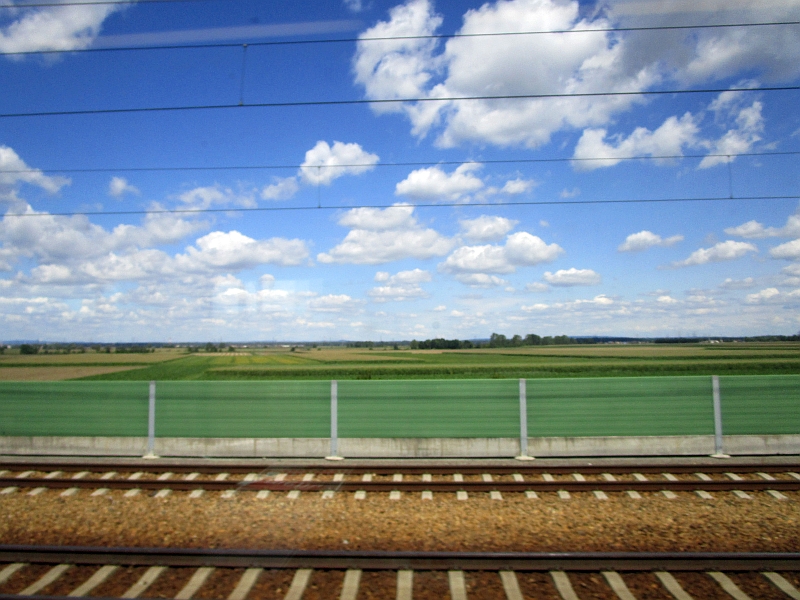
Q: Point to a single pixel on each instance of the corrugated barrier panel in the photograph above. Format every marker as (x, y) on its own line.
(429, 408)
(608, 406)
(262, 409)
(74, 408)
(760, 404)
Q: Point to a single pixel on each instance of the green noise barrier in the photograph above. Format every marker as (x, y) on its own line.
(584, 407)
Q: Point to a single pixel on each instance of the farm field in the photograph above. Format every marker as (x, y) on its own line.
(384, 363)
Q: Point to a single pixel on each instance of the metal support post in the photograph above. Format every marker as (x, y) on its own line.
(334, 422)
(151, 423)
(523, 422)
(718, 450)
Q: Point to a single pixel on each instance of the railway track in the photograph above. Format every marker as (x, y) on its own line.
(668, 479)
(47, 571)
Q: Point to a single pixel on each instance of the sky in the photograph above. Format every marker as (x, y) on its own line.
(383, 170)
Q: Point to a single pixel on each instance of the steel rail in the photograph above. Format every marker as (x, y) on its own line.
(717, 485)
(372, 560)
(355, 467)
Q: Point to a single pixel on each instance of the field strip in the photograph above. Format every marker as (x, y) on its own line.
(57, 373)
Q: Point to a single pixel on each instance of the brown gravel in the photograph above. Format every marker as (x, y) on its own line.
(538, 585)
(272, 584)
(431, 585)
(646, 586)
(483, 585)
(516, 523)
(71, 579)
(592, 586)
(324, 585)
(378, 585)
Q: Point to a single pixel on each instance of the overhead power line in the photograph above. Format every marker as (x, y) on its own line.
(191, 211)
(152, 109)
(383, 38)
(418, 163)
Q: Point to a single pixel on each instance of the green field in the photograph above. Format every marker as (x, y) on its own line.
(359, 363)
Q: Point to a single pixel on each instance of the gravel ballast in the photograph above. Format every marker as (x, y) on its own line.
(515, 523)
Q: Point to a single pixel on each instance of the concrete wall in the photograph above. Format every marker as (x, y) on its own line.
(400, 447)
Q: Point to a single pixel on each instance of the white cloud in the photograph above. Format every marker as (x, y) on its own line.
(572, 277)
(14, 170)
(480, 280)
(333, 303)
(636, 242)
(432, 183)
(401, 286)
(668, 140)
(282, 188)
(486, 228)
(521, 249)
(762, 296)
(215, 195)
(535, 307)
(324, 163)
(57, 239)
(537, 287)
(354, 5)
(55, 28)
(747, 131)
(119, 186)
(518, 186)
(384, 235)
(630, 61)
(666, 300)
(738, 284)
(728, 250)
(440, 308)
(789, 250)
(471, 66)
(232, 250)
(565, 193)
(755, 230)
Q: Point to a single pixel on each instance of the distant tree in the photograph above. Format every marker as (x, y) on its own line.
(210, 347)
(28, 349)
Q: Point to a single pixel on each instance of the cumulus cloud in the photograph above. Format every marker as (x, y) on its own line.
(789, 250)
(749, 125)
(333, 303)
(737, 284)
(642, 240)
(755, 230)
(486, 228)
(572, 277)
(384, 235)
(55, 27)
(762, 296)
(404, 285)
(432, 183)
(281, 188)
(200, 198)
(233, 250)
(513, 187)
(565, 193)
(474, 265)
(13, 170)
(629, 61)
(480, 280)
(668, 140)
(471, 66)
(722, 251)
(324, 163)
(119, 186)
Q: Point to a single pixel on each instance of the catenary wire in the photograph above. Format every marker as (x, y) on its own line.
(395, 38)
(385, 206)
(300, 103)
(91, 3)
(404, 164)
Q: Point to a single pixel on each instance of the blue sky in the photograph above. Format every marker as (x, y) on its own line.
(495, 227)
